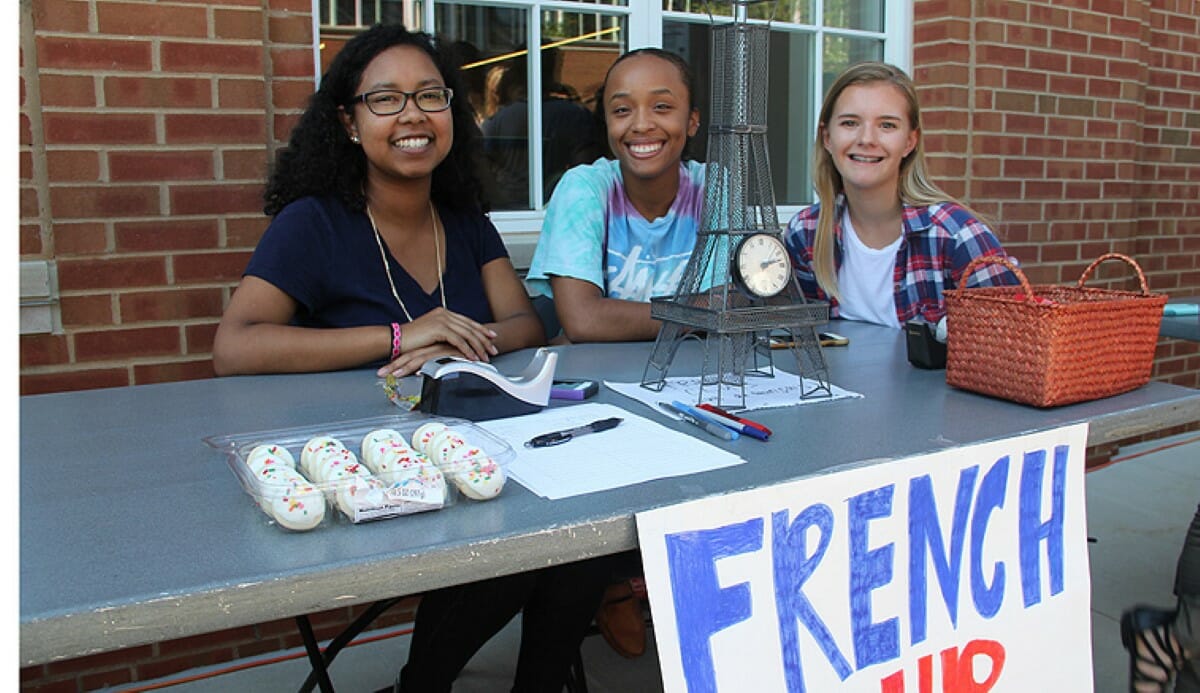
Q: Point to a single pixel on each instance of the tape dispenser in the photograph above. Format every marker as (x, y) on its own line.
(476, 391)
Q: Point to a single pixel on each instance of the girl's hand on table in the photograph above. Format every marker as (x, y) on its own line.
(410, 362)
(447, 328)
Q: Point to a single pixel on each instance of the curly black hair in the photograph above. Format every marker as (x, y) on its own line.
(320, 159)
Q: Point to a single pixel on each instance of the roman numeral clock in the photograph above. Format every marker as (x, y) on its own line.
(738, 289)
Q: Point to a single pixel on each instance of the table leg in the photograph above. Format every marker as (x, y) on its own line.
(314, 654)
(320, 673)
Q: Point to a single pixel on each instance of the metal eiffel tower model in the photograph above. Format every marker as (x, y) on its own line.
(735, 325)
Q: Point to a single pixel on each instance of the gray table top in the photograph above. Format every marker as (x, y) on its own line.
(132, 530)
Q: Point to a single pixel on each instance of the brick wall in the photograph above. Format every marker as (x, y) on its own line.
(1076, 127)
(143, 148)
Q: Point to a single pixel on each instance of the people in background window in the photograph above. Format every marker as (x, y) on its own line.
(568, 132)
(883, 242)
(1164, 644)
(619, 231)
(379, 251)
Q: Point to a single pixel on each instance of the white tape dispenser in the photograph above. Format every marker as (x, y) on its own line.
(476, 391)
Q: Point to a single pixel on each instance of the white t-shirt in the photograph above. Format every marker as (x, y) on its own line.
(865, 279)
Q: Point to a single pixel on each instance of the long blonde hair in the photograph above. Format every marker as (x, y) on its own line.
(915, 188)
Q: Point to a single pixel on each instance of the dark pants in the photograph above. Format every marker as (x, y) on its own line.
(557, 605)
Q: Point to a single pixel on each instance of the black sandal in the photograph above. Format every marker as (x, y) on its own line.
(1150, 628)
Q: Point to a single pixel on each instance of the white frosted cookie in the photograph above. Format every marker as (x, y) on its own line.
(478, 477)
(378, 441)
(314, 446)
(300, 508)
(396, 458)
(332, 460)
(270, 450)
(424, 434)
(443, 445)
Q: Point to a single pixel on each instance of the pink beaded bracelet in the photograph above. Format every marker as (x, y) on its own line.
(395, 341)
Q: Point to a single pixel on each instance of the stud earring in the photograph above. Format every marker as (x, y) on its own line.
(354, 139)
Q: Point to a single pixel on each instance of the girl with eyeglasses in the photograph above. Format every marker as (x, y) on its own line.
(379, 251)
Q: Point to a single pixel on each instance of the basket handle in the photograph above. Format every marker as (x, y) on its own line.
(976, 262)
(1116, 256)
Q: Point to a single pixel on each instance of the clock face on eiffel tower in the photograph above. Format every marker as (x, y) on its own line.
(760, 265)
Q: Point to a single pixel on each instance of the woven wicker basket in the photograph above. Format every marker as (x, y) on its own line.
(1049, 345)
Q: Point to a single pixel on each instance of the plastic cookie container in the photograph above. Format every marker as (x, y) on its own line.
(365, 469)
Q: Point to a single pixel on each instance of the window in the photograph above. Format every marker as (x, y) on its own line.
(811, 42)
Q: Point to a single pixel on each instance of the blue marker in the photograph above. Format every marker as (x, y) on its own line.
(736, 426)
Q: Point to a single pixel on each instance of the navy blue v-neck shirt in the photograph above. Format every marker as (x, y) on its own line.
(324, 256)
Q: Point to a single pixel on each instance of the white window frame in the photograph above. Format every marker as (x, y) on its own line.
(520, 229)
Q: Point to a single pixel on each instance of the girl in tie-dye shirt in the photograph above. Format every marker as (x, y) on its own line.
(620, 231)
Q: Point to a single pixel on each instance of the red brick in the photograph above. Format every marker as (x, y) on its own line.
(238, 24)
(157, 92)
(111, 273)
(129, 166)
(291, 94)
(70, 91)
(188, 128)
(1001, 55)
(108, 345)
(86, 310)
(176, 304)
(104, 679)
(1024, 168)
(87, 379)
(25, 137)
(200, 341)
(292, 62)
(79, 239)
(175, 372)
(236, 198)
(162, 667)
(98, 128)
(94, 54)
(73, 165)
(56, 686)
(210, 267)
(290, 28)
(222, 58)
(244, 232)
(86, 202)
(244, 164)
(43, 350)
(29, 205)
(139, 19)
(165, 235)
(63, 16)
(241, 93)
(30, 240)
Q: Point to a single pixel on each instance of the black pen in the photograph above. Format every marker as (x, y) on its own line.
(558, 437)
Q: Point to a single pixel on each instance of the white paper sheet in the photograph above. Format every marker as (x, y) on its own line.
(783, 390)
(637, 450)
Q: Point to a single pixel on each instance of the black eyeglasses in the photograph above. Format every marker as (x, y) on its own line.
(385, 102)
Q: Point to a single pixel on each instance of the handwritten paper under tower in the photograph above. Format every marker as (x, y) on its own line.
(637, 450)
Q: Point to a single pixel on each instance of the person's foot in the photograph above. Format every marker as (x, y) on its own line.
(1154, 653)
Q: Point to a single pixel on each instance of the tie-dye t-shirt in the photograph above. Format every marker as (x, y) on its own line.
(640, 259)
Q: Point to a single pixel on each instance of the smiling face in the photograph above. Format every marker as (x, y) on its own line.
(648, 116)
(411, 143)
(868, 135)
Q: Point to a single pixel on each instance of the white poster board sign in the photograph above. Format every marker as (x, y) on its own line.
(962, 570)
